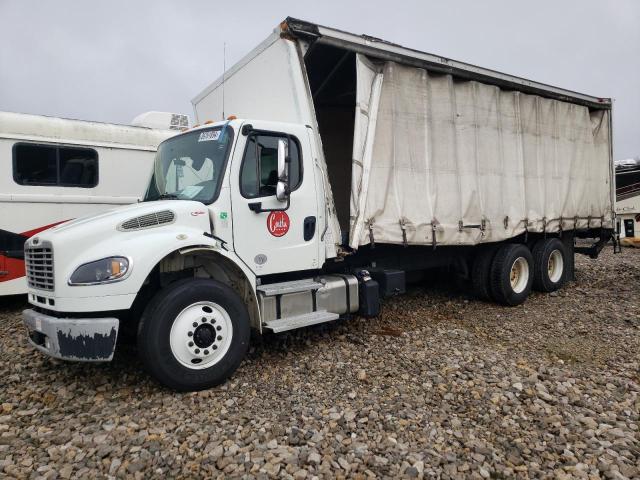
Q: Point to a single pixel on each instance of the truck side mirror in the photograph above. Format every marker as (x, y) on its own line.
(282, 188)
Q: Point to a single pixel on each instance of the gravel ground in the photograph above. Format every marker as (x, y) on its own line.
(439, 386)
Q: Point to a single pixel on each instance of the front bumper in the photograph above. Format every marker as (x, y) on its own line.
(78, 339)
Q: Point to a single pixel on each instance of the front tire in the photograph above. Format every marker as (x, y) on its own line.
(193, 334)
(549, 265)
(512, 274)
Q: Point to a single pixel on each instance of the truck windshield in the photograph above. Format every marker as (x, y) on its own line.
(191, 166)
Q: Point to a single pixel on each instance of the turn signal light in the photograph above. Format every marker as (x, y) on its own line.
(116, 267)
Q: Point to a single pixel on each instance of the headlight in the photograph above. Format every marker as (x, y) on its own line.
(107, 270)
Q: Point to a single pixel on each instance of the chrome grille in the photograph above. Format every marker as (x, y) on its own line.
(38, 262)
(149, 220)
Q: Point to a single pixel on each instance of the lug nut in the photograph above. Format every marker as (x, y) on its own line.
(206, 352)
(204, 319)
(214, 347)
(190, 334)
(219, 337)
(195, 324)
(218, 328)
(197, 350)
(191, 344)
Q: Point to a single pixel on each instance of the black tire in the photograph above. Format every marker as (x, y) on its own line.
(154, 333)
(545, 252)
(481, 272)
(501, 286)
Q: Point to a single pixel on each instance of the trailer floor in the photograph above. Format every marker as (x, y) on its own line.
(439, 385)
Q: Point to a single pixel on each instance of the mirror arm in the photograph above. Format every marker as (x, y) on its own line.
(257, 207)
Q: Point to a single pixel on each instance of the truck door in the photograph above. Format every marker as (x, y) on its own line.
(267, 236)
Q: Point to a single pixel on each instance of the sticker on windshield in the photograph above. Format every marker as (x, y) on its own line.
(209, 136)
(191, 191)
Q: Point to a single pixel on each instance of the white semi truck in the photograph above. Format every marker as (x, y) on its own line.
(352, 162)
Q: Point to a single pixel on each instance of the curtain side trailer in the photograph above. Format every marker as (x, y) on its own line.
(327, 168)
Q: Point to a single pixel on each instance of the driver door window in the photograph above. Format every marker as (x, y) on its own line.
(259, 174)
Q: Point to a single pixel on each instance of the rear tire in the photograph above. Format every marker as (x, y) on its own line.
(512, 274)
(193, 334)
(549, 265)
(481, 272)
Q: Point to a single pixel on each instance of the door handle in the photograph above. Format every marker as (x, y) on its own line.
(309, 228)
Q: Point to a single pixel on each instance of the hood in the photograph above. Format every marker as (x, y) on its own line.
(129, 219)
(140, 232)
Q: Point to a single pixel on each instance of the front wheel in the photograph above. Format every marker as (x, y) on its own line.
(193, 334)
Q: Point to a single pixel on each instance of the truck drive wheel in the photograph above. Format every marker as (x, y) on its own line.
(512, 274)
(549, 260)
(193, 334)
(481, 272)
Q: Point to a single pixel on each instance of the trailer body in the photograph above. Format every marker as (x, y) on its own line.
(340, 168)
(422, 150)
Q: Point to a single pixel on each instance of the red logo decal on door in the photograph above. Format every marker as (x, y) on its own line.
(278, 223)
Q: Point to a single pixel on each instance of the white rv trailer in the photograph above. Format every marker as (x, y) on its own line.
(628, 198)
(56, 169)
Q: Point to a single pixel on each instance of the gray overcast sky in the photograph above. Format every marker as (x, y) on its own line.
(112, 60)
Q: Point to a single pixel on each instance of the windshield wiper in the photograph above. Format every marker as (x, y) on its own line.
(167, 196)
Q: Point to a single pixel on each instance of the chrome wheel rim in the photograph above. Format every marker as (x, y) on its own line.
(519, 274)
(201, 335)
(555, 266)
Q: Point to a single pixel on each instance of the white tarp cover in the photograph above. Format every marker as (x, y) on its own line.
(471, 162)
(369, 83)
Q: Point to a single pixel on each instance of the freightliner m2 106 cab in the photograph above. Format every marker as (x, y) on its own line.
(352, 162)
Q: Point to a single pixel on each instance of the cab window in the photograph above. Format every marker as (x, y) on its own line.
(259, 172)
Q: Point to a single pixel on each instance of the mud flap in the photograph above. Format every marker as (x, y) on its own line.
(568, 240)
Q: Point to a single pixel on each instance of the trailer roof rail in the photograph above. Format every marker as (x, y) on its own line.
(381, 49)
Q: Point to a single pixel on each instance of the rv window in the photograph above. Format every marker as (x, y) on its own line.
(259, 175)
(78, 167)
(50, 165)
